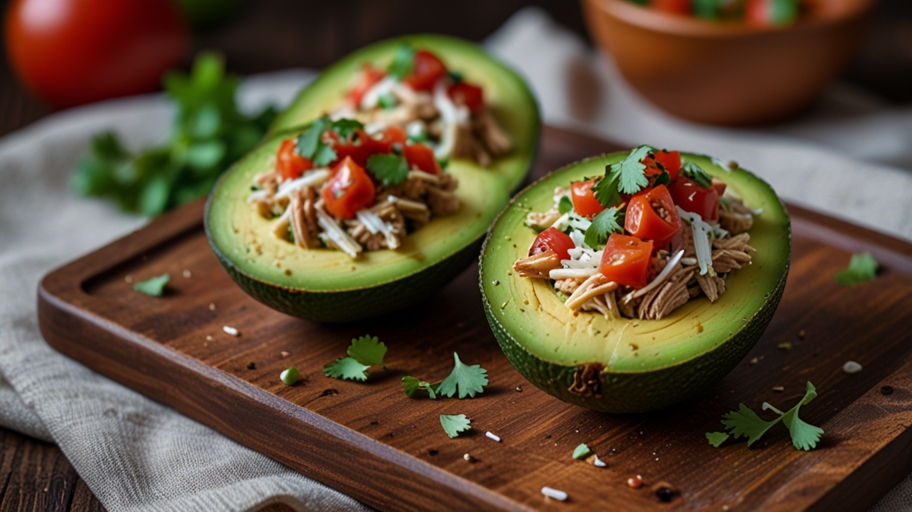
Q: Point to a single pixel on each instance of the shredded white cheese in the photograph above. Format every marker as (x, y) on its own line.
(311, 178)
(493, 437)
(599, 463)
(560, 273)
(230, 330)
(451, 116)
(554, 494)
(372, 97)
(336, 234)
(375, 225)
(663, 275)
(701, 231)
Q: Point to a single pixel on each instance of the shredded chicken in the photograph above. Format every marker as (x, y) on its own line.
(542, 220)
(712, 286)
(596, 285)
(664, 299)
(734, 217)
(537, 265)
(567, 285)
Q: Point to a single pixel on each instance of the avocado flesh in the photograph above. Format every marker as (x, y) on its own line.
(326, 284)
(505, 92)
(648, 364)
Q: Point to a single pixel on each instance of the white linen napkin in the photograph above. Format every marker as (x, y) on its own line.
(137, 455)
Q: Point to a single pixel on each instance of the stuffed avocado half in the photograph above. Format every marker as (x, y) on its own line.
(505, 94)
(326, 284)
(628, 365)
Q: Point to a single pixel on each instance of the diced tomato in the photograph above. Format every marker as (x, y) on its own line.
(695, 198)
(421, 157)
(391, 135)
(289, 163)
(359, 146)
(672, 6)
(348, 189)
(671, 160)
(719, 185)
(651, 215)
(626, 260)
(584, 202)
(552, 240)
(369, 78)
(427, 70)
(469, 95)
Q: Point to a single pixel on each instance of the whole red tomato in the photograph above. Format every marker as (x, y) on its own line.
(70, 52)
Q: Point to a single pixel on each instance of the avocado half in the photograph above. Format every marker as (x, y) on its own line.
(505, 92)
(628, 365)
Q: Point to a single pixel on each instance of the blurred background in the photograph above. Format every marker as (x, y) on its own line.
(267, 35)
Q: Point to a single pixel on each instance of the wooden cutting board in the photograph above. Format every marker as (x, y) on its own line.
(369, 440)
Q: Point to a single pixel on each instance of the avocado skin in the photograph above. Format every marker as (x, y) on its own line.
(354, 304)
(628, 392)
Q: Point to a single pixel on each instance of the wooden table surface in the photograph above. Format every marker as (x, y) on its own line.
(278, 34)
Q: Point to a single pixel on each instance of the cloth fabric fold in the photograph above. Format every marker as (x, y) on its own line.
(138, 455)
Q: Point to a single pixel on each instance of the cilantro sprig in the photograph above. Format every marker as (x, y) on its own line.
(696, 173)
(364, 352)
(607, 221)
(627, 176)
(403, 62)
(862, 267)
(746, 423)
(454, 424)
(464, 380)
(208, 134)
(389, 169)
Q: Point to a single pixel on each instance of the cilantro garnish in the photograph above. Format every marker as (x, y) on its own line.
(345, 126)
(154, 287)
(453, 424)
(324, 155)
(581, 452)
(606, 222)
(387, 101)
(419, 137)
(564, 205)
(309, 141)
(745, 423)
(390, 169)
(411, 385)
(696, 173)
(455, 76)
(363, 353)
(862, 267)
(468, 379)
(606, 191)
(208, 134)
(631, 171)
(443, 162)
(403, 62)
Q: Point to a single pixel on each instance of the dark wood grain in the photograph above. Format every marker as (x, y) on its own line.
(372, 442)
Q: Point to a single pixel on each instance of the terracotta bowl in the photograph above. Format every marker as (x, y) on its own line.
(727, 73)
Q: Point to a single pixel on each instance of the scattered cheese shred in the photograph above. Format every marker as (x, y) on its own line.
(492, 437)
(230, 330)
(554, 494)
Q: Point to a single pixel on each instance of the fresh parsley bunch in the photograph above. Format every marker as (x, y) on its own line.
(208, 135)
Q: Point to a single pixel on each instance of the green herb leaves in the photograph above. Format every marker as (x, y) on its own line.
(745, 423)
(696, 173)
(862, 267)
(310, 143)
(581, 452)
(389, 169)
(468, 380)
(453, 424)
(363, 353)
(403, 62)
(154, 287)
(606, 222)
(627, 176)
(208, 135)
(463, 381)
(564, 205)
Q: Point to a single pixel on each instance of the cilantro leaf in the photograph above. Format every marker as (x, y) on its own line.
(606, 222)
(863, 267)
(324, 155)
(208, 134)
(453, 424)
(387, 101)
(367, 350)
(347, 368)
(154, 287)
(345, 126)
(631, 171)
(468, 379)
(403, 62)
(581, 452)
(455, 76)
(309, 141)
(564, 205)
(606, 191)
(696, 173)
(745, 423)
(411, 385)
(390, 169)
(717, 438)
